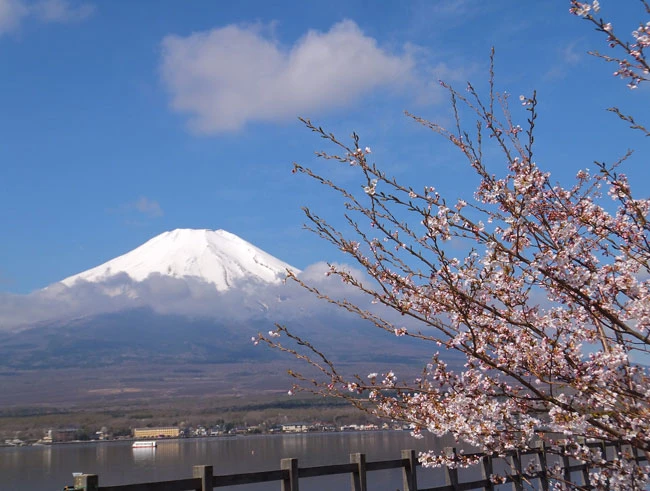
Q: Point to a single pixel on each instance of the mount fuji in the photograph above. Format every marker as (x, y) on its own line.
(185, 271)
(216, 257)
(186, 297)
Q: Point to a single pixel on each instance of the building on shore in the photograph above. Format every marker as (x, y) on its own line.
(295, 427)
(60, 435)
(162, 432)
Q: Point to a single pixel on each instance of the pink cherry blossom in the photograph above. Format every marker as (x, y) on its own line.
(543, 288)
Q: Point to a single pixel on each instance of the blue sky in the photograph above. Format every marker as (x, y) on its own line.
(123, 119)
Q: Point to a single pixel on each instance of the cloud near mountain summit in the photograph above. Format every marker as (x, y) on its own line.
(279, 302)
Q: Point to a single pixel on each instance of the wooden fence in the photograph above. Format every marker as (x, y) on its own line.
(516, 474)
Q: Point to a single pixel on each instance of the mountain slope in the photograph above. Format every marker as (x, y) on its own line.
(143, 337)
(214, 256)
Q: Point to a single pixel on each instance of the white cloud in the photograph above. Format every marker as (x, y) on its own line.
(229, 76)
(452, 8)
(147, 206)
(134, 210)
(566, 59)
(14, 12)
(61, 11)
(11, 14)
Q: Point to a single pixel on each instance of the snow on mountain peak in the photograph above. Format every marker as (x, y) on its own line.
(215, 256)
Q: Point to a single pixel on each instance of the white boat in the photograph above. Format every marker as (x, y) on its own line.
(147, 444)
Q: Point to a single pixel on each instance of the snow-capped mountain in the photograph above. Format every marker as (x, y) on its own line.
(185, 296)
(213, 256)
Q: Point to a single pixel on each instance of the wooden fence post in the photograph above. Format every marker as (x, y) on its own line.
(566, 462)
(517, 480)
(290, 483)
(359, 482)
(486, 472)
(639, 455)
(87, 482)
(619, 449)
(409, 475)
(585, 475)
(543, 464)
(451, 474)
(203, 472)
(603, 449)
(584, 469)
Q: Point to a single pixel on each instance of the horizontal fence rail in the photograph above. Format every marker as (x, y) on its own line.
(290, 473)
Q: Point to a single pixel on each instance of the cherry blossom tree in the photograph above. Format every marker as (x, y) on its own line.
(632, 63)
(543, 288)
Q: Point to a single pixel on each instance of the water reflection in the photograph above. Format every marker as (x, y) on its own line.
(101, 454)
(168, 450)
(143, 455)
(47, 458)
(38, 468)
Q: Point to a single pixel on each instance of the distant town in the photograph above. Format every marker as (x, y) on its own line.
(72, 435)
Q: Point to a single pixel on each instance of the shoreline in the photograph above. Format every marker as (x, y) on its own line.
(207, 437)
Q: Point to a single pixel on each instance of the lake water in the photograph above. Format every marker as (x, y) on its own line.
(49, 468)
